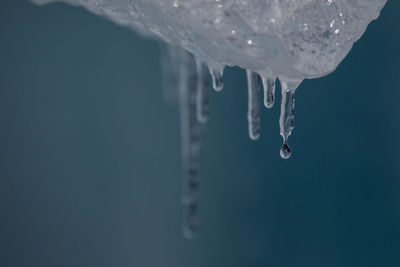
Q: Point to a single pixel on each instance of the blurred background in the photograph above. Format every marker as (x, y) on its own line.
(90, 155)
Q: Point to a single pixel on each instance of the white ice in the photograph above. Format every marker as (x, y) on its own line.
(290, 39)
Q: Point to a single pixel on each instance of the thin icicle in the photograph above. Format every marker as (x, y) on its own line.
(217, 78)
(269, 91)
(190, 134)
(169, 71)
(254, 99)
(286, 121)
(202, 97)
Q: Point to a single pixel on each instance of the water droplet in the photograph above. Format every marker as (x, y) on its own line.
(286, 120)
(285, 151)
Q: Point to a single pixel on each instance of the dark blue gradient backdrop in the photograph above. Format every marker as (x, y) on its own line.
(90, 155)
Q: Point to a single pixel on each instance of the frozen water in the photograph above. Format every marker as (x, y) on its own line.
(291, 39)
(254, 100)
(287, 39)
(190, 79)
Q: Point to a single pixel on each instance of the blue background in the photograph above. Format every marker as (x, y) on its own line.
(90, 155)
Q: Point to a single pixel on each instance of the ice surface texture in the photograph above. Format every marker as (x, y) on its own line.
(292, 39)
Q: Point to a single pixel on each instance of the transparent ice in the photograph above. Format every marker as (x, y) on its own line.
(291, 40)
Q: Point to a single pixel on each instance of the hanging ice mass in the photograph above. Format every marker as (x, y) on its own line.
(285, 40)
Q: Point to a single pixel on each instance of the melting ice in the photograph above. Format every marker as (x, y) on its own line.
(285, 40)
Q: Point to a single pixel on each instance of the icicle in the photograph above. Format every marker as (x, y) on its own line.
(217, 78)
(169, 71)
(254, 99)
(202, 97)
(269, 91)
(190, 134)
(286, 121)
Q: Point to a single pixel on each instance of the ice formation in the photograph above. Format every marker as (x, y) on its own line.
(286, 39)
